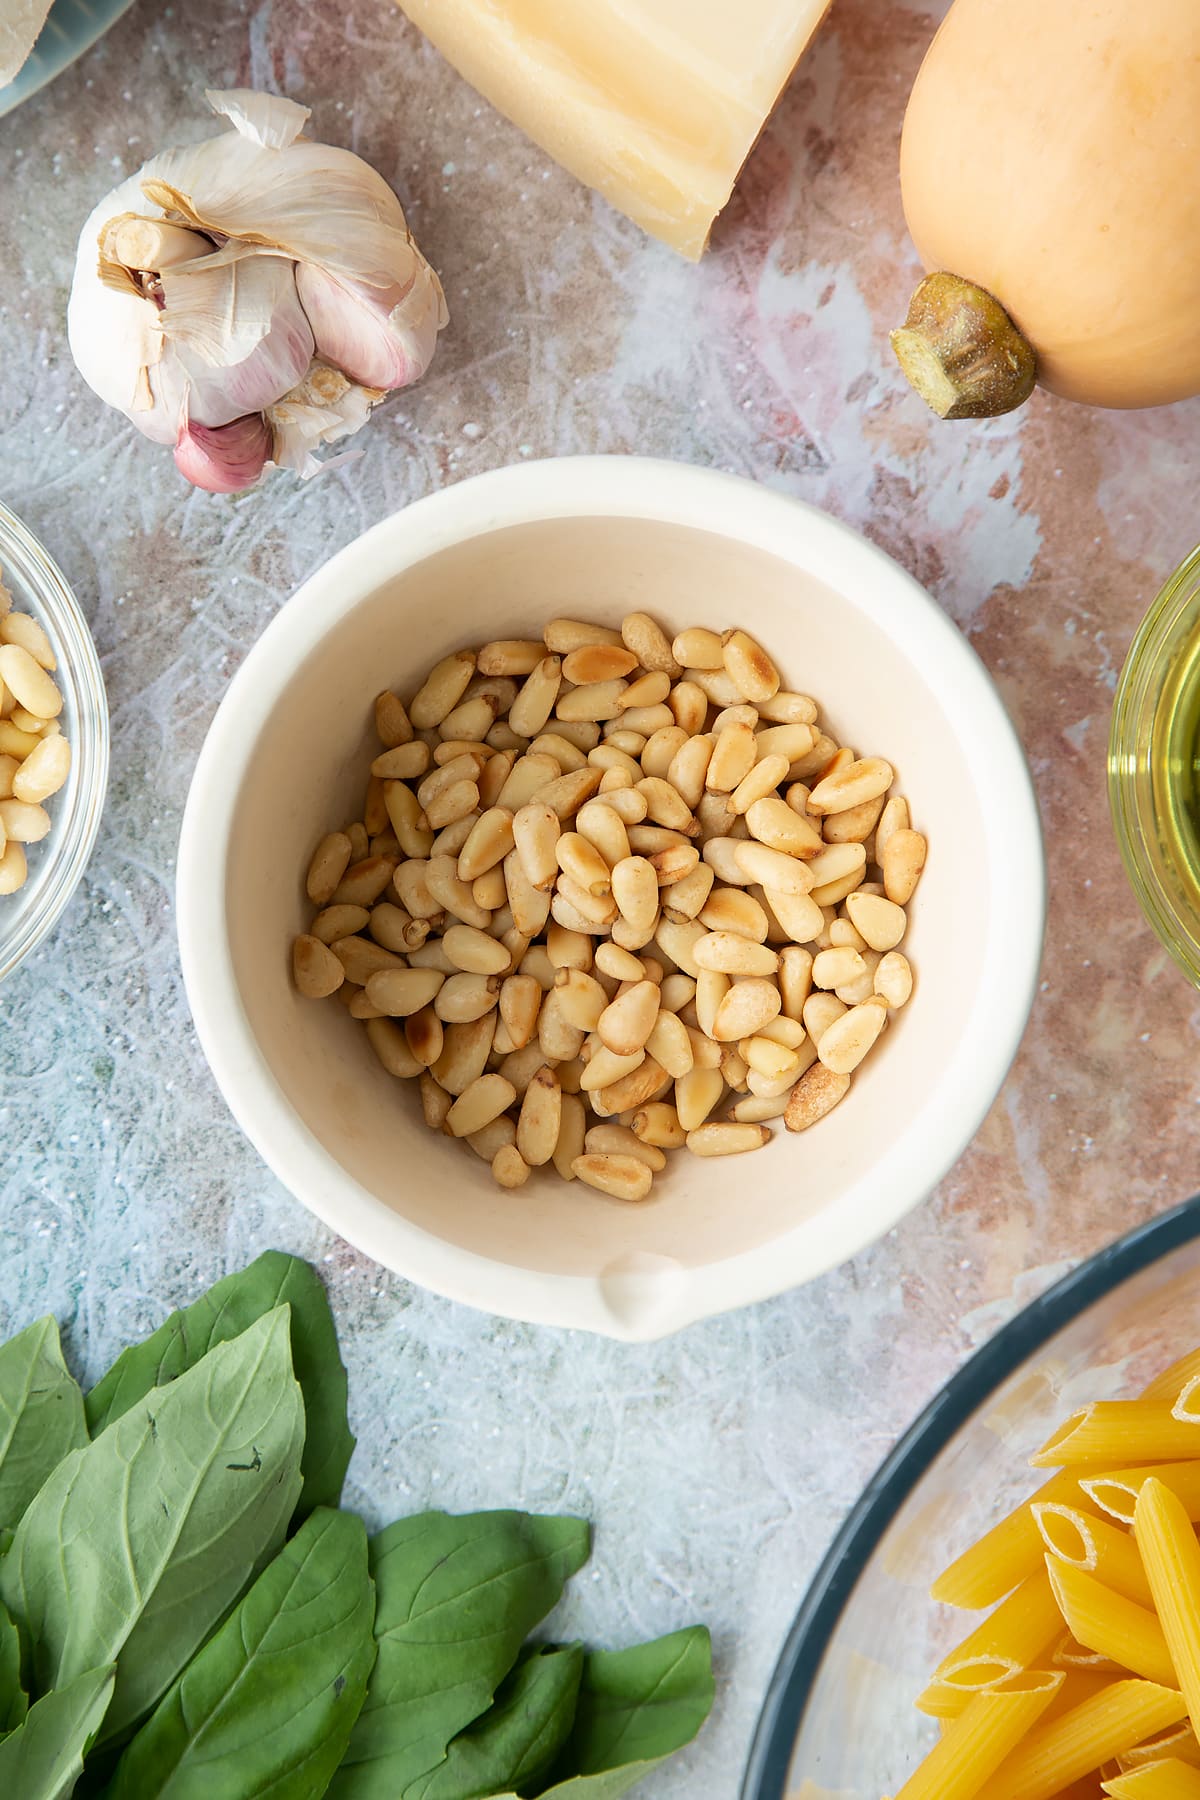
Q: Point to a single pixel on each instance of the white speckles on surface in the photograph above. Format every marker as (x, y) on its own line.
(716, 1466)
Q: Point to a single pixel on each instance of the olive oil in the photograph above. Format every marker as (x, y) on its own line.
(1175, 766)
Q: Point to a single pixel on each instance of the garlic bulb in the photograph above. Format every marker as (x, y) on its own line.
(251, 298)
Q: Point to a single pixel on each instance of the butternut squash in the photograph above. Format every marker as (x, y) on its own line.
(1050, 168)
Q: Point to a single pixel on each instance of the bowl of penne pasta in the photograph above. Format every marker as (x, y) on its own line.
(1012, 1610)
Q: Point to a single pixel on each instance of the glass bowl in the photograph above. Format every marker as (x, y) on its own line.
(37, 586)
(1154, 766)
(838, 1722)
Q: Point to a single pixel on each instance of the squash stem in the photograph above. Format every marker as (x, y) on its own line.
(962, 353)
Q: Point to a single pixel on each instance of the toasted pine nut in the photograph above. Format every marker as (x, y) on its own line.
(606, 1067)
(20, 628)
(816, 761)
(618, 791)
(536, 701)
(28, 682)
(509, 1168)
(604, 828)
(452, 803)
(645, 1083)
(470, 722)
(23, 822)
(816, 1093)
(475, 951)
(567, 793)
(540, 1118)
(734, 954)
(581, 999)
(391, 720)
(788, 709)
(670, 1045)
(894, 817)
(793, 741)
(424, 1036)
(626, 1024)
(14, 741)
(465, 998)
(834, 968)
(9, 766)
(774, 823)
(747, 1006)
(482, 1101)
(773, 869)
(834, 863)
(677, 991)
(893, 979)
(408, 821)
(572, 1127)
(355, 1001)
(364, 882)
(733, 757)
(520, 1002)
(622, 1177)
(565, 635)
(689, 707)
(648, 690)
(453, 894)
(399, 992)
(435, 1101)
(560, 1040)
(597, 910)
(734, 715)
(361, 958)
(536, 830)
(488, 893)
(360, 847)
(635, 890)
(696, 1093)
(688, 768)
(520, 1066)
(598, 700)
(783, 1030)
(677, 941)
(843, 932)
(442, 690)
(13, 868)
(727, 1138)
(391, 926)
(674, 864)
(698, 648)
(712, 985)
(749, 666)
(845, 1042)
(375, 813)
(862, 986)
(881, 922)
(734, 910)
(566, 913)
(647, 721)
(661, 749)
(487, 844)
(387, 1040)
(530, 905)
(618, 1140)
(430, 955)
(852, 785)
(345, 921)
(316, 971)
(610, 759)
(44, 770)
(510, 656)
(657, 1126)
(487, 1143)
(529, 773)
(412, 889)
(686, 898)
(903, 859)
(404, 763)
(799, 915)
(821, 1010)
(720, 853)
(329, 862)
(583, 864)
(795, 979)
(630, 743)
(717, 684)
(766, 1057)
(566, 754)
(597, 662)
(649, 643)
(854, 825)
(762, 780)
(568, 949)
(466, 1051)
(620, 964)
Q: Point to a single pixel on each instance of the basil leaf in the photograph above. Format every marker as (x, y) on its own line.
(140, 1542)
(224, 1312)
(518, 1740)
(267, 1706)
(14, 1703)
(41, 1415)
(636, 1708)
(43, 1758)
(455, 1598)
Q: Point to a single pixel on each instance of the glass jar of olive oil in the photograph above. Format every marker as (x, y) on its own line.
(1154, 765)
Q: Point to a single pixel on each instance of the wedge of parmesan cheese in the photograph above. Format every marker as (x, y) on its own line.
(20, 22)
(654, 103)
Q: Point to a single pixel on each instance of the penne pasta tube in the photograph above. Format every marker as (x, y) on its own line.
(1172, 1557)
(1166, 1779)
(1116, 1493)
(1096, 1546)
(1120, 1431)
(1055, 1755)
(1178, 1741)
(1069, 1653)
(1018, 1632)
(1006, 1554)
(1112, 1625)
(979, 1741)
(1079, 1685)
(1174, 1378)
(948, 1701)
(1187, 1405)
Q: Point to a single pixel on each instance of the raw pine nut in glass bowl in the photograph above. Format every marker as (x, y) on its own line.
(492, 561)
(53, 742)
(462, 917)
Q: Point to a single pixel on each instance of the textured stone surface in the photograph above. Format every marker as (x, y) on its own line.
(716, 1465)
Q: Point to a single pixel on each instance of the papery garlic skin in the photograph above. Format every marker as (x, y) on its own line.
(287, 278)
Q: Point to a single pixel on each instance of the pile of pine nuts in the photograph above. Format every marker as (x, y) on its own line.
(35, 758)
(609, 871)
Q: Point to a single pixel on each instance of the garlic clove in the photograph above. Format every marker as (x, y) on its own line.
(384, 337)
(226, 458)
(236, 332)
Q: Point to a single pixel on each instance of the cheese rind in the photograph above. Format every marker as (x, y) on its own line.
(654, 103)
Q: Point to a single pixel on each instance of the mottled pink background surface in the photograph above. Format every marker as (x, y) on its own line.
(716, 1465)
